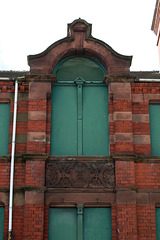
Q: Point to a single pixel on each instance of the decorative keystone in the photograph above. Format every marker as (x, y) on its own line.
(79, 25)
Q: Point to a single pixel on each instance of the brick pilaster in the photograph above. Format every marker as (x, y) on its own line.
(126, 215)
(34, 197)
(37, 112)
(121, 135)
(126, 198)
(33, 215)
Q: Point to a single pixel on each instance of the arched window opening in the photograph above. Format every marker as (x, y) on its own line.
(79, 120)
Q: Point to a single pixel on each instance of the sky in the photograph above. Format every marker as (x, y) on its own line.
(28, 27)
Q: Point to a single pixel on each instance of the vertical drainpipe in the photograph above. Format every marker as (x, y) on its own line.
(12, 162)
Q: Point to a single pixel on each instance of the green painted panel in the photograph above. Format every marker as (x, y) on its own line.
(80, 67)
(4, 127)
(1, 222)
(72, 224)
(158, 223)
(79, 121)
(97, 224)
(62, 224)
(154, 117)
(95, 120)
(64, 120)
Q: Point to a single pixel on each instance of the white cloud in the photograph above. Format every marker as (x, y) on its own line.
(29, 27)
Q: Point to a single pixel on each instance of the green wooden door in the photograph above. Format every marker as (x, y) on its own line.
(97, 224)
(1, 222)
(95, 120)
(62, 224)
(76, 224)
(154, 117)
(158, 223)
(4, 127)
(64, 120)
(79, 124)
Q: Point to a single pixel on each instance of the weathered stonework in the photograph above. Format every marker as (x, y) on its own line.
(78, 174)
(79, 41)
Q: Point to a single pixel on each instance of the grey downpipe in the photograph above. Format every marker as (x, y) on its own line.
(12, 162)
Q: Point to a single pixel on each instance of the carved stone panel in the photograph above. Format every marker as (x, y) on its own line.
(80, 174)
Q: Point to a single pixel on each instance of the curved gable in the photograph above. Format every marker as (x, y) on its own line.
(80, 42)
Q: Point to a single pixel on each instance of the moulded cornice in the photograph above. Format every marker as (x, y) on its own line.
(110, 49)
(47, 50)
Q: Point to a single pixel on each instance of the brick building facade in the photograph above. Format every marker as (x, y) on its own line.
(119, 175)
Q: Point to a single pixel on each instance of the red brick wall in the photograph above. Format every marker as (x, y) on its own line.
(35, 173)
(33, 221)
(146, 226)
(114, 222)
(18, 221)
(127, 222)
(5, 233)
(48, 125)
(46, 222)
(4, 174)
(19, 174)
(148, 175)
(124, 173)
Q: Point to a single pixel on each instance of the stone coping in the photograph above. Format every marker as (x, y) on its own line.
(111, 158)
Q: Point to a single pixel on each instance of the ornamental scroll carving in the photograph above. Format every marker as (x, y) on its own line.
(65, 174)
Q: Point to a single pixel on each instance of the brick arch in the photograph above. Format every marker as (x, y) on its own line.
(70, 53)
(79, 42)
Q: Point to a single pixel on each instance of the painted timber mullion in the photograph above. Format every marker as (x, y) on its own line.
(80, 120)
(79, 222)
(80, 82)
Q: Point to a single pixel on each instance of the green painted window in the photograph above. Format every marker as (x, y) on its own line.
(1, 222)
(4, 127)
(79, 124)
(80, 224)
(158, 222)
(154, 117)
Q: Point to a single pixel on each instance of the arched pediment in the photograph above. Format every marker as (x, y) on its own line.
(80, 42)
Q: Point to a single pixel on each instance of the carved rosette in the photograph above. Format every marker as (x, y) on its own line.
(76, 174)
